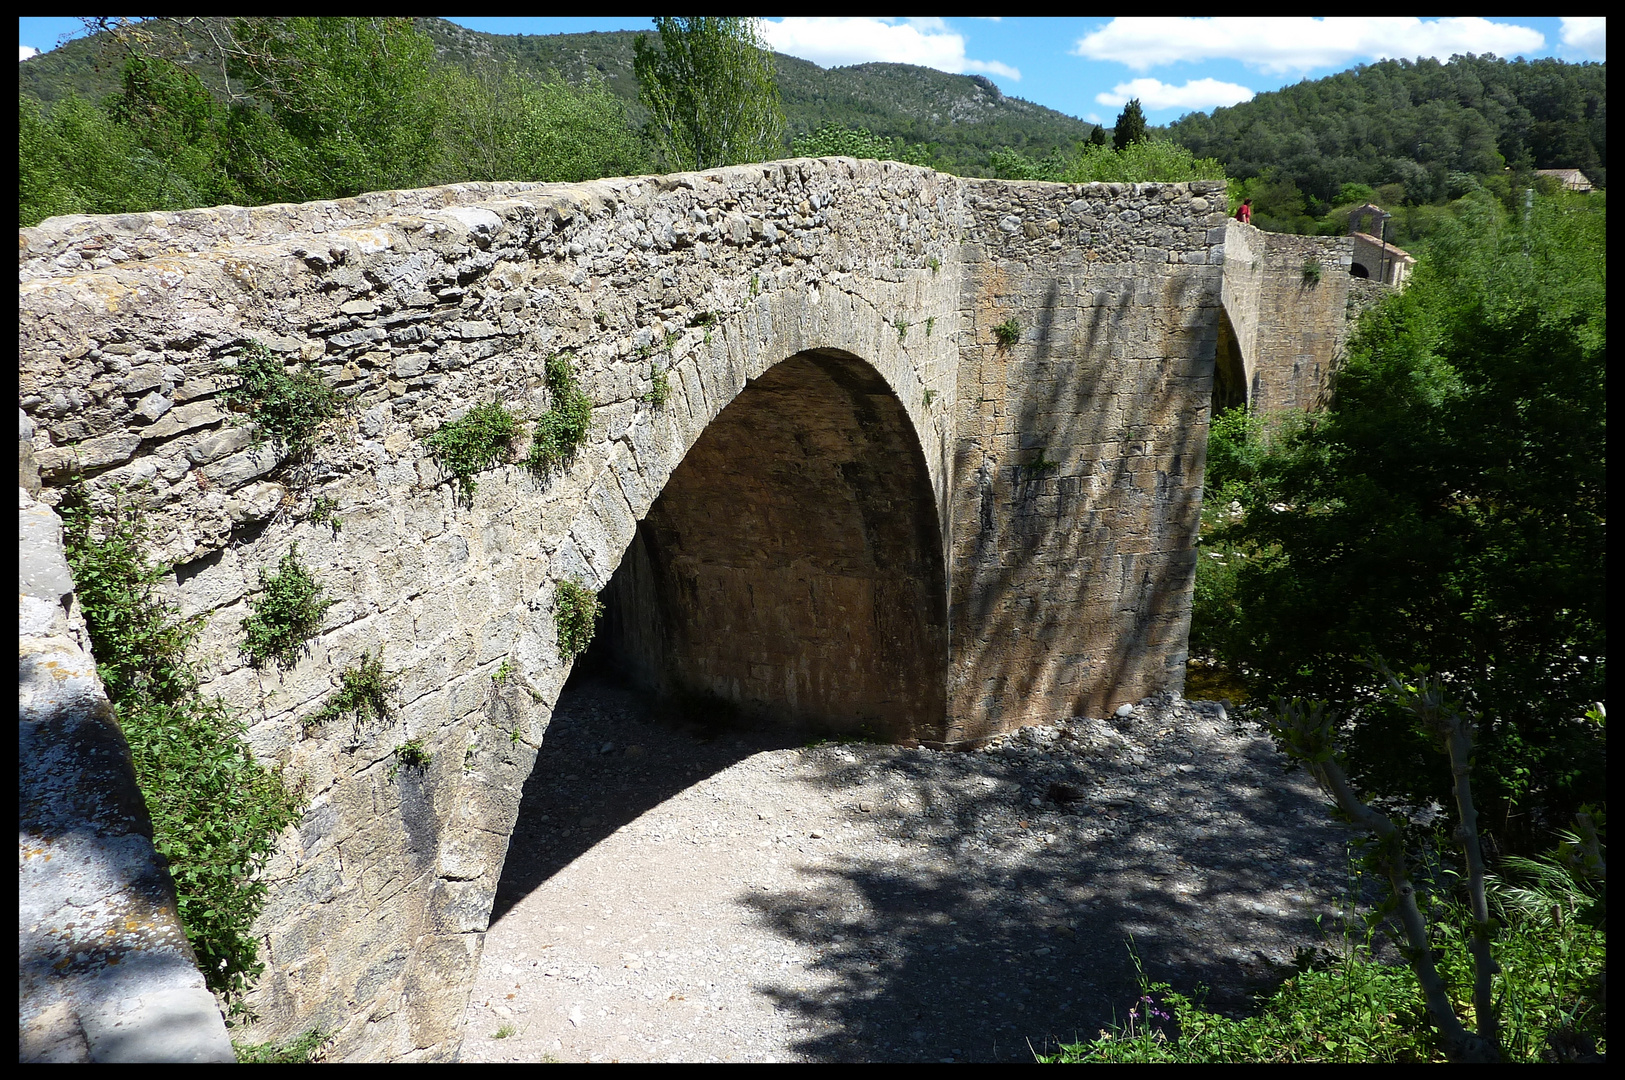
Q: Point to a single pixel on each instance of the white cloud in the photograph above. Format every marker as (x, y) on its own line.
(1299, 44)
(26, 52)
(1195, 94)
(849, 40)
(1588, 35)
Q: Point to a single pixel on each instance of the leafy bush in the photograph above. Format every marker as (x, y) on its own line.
(564, 426)
(215, 811)
(1008, 332)
(575, 617)
(838, 140)
(285, 409)
(478, 441)
(287, 614)
(363, 693)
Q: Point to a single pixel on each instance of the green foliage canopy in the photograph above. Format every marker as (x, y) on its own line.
(1451, 508)
(710, 91)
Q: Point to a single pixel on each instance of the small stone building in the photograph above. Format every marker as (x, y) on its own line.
(1571, 179)
(1375, 258)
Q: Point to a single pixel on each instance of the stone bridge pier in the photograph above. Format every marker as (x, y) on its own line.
(929, 463)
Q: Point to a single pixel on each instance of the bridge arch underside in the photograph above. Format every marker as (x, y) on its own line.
(1230, 382)
(791, 572)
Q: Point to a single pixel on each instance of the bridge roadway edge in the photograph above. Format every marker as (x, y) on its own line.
(1066, 467)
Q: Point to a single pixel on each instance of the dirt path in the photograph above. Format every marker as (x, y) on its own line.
(668, 898)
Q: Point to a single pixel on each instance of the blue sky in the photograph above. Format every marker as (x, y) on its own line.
(1088, 67)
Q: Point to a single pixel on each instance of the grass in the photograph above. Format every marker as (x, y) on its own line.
(215, 810)
(505, 1031)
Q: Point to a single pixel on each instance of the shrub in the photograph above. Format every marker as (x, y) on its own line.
(659, 387)
(474, 443)
(1007, 333)
(1311, 271)
(411, 755)
(285, 409)
(363, 693)
(575, 616)
(301, 1051)
(215, 811)
(564, 426)
(287, 614)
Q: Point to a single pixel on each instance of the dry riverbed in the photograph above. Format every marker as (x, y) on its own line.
(675, 897)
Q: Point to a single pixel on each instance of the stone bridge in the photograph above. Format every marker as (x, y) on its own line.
(929, 464)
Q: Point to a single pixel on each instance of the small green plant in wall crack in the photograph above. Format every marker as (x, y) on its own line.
(286, 615)
(1311, 271)
(575, 615)
(1041, 464)
(902, 328)
(659, 387)
(479, 440)
(363, 693)
(1007, 333)
(934, 263)
(930, 323)
(324, 511)
(285, 408)
(411, 755)
(563, 427)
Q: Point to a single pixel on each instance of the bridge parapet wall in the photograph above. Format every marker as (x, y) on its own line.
(1287, 298)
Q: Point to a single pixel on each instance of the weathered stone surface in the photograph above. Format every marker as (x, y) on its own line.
(986, 532)
(104, 969)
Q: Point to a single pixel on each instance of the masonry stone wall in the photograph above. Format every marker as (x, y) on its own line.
(1081, 445)
(1286, 300)
(1007, 525)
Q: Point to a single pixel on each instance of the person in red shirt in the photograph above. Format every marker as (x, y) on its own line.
(1244, 212)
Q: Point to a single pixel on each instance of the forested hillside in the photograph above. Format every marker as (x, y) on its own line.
(1413, 124)
(961, 118)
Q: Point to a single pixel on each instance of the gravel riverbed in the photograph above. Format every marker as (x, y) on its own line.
(673, 896)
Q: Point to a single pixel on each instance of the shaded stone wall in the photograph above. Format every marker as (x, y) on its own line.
(1081, 446)
(792, 568)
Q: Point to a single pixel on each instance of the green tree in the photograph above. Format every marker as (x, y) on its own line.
(1130, 126)
(1451, 507)
(354, 106)
(500, 123)
(710, 91)
(1097, 137)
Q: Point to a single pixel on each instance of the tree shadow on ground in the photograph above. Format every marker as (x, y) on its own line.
(978, 925)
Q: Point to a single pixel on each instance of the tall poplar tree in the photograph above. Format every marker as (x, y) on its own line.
(711, 92)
